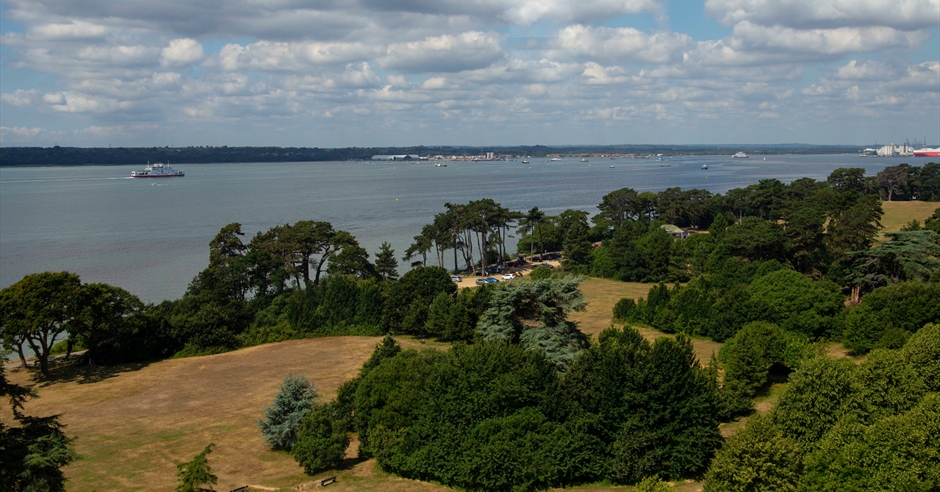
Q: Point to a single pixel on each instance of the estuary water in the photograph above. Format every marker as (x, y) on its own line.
(151, 236)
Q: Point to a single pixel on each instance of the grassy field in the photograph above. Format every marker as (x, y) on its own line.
(134, 423)
(603, 294)
(898, 214)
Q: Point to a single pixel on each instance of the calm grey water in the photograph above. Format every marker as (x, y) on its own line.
(151, 236)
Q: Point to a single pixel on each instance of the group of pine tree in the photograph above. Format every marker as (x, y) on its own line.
(523, 399)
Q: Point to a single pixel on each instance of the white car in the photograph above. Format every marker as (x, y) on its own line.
(456, 278)
(508, 276)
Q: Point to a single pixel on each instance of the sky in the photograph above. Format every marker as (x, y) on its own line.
(343, 73)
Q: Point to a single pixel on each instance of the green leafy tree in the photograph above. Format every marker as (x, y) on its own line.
(818, 394)
(352, 260)
(34, 449)
(855, 228)
(103, 323)
(37, 310)
(411, 296)
(923, 352)
(797, 303)
(894, 453)
(386, 265)
(322, 441)
(759, 458)
(283, 419)
(193, 475)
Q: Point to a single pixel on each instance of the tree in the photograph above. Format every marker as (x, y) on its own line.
(410, 297)
(33, 451)
(322, 441)
(797, 303)
(923, 352)
(192, 475)
(352, 260)
(756, 459)
(38, 309)
(226, 246)
(103, 320)
(816, 398)
(619, 206)
(284, 417)
(532, 313)
(854, 229)
(385, 263)
(892, 180)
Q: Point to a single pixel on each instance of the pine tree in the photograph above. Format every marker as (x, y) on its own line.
(385, 263)
(192, 475)
(283, 418)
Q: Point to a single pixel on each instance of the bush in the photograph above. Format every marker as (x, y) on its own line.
(923, 352)
(285, 415)
(322, 441)
(625, 310)
(756, 459)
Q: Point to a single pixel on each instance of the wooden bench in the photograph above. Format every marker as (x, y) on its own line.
(328, 480)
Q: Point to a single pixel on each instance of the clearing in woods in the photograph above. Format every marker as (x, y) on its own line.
(898, 214)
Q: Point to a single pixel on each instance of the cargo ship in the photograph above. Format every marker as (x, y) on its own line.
(158, 170)
(927, 152)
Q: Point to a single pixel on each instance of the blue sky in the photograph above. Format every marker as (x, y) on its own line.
(467, 72)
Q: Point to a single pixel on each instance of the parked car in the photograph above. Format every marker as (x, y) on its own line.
(490, 280)
(508, 276)
(549, 265)
(551, 256)
(481, 281)
(494, 269)
(456, 278)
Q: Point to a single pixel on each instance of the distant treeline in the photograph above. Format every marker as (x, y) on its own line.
(75, 156)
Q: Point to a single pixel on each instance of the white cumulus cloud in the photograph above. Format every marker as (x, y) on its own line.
(180, 52)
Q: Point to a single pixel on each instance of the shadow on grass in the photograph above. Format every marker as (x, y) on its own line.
(72, 370)
(348, 463)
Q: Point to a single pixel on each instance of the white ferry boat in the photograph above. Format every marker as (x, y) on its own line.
(739, 155)
(158, 170)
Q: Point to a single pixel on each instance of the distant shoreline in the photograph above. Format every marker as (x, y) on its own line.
(97, 156)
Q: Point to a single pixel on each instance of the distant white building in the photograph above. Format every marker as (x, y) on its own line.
(892, 150)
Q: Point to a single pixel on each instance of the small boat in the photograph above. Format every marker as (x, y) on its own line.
(440, 164)
(739, 155)
(611, 167)
(554, 159)
(665, 164)
(158, 170)
(704, 166)
(583, 160)
(525, 161)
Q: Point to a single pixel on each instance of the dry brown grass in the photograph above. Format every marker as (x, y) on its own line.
(898, 214)
(601, 295)
(134, 426)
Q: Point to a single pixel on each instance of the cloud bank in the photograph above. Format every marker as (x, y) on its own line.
(402, 72)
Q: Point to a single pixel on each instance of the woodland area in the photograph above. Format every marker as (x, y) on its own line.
(523, 400)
